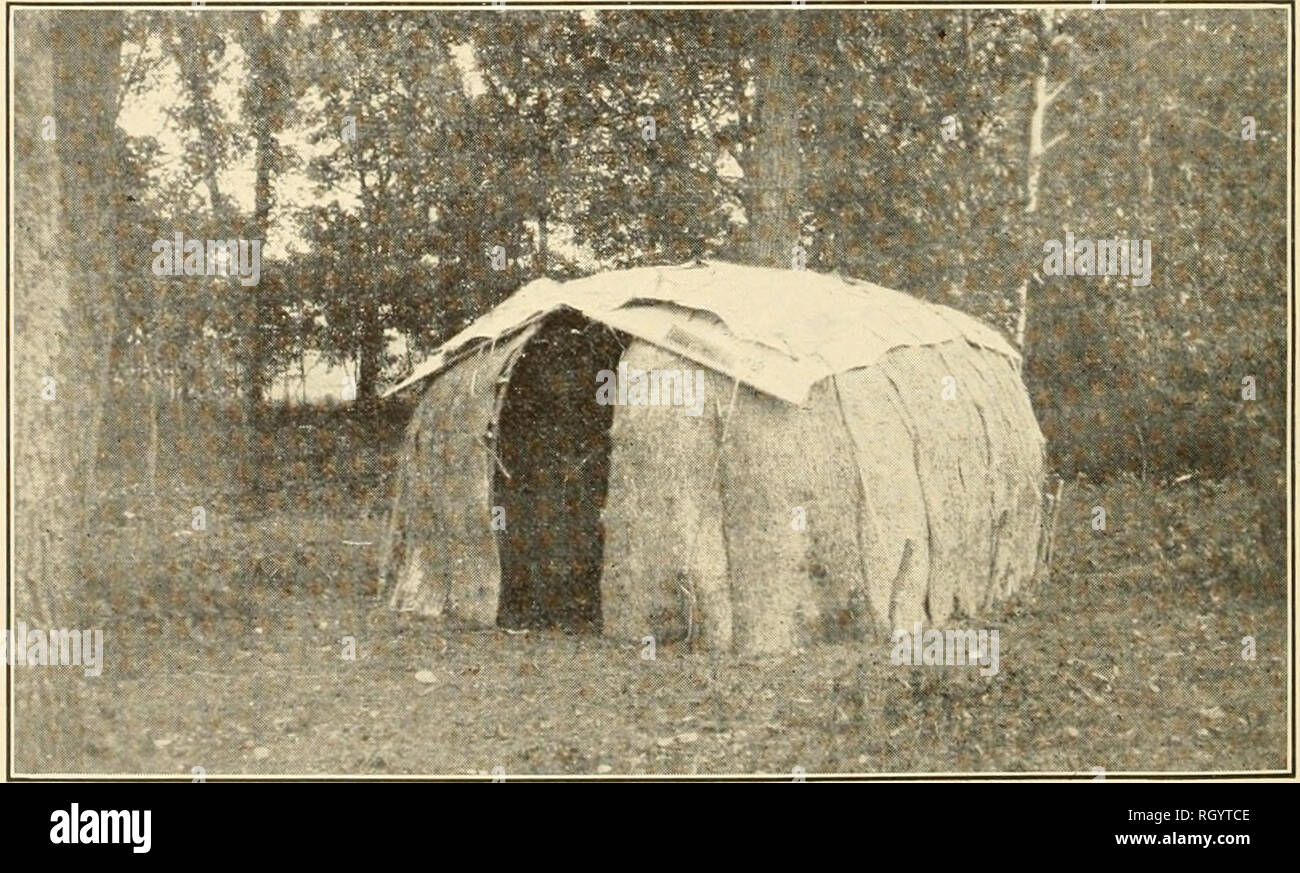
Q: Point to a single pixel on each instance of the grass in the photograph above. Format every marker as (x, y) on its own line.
(224, 651)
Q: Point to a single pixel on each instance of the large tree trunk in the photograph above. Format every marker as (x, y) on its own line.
(66, 67)
(774, 219)
(88, 190)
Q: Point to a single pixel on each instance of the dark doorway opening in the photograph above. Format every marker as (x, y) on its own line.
(553, 441)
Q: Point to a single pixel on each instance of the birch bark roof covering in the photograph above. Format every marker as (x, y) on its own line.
(780, 331)
(865, 461)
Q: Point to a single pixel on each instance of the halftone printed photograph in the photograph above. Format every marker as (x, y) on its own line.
(791, 391)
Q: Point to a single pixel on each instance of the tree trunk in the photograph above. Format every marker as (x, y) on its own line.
(1036, 150)
(255, 304)
(370, 336)
(168, 595)
(971, 157)
(541, 242)
(89, 193)
(774, 221)
(370, 364)
(191, 56)
(66, 66)
(259, 49)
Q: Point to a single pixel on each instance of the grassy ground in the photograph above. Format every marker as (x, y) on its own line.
(224, 650)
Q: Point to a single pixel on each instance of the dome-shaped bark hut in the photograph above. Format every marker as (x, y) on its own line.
(749, 459)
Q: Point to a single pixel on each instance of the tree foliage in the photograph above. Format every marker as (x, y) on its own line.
(458, 155)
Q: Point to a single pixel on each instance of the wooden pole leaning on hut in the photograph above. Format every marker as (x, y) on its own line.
(1051, 513)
